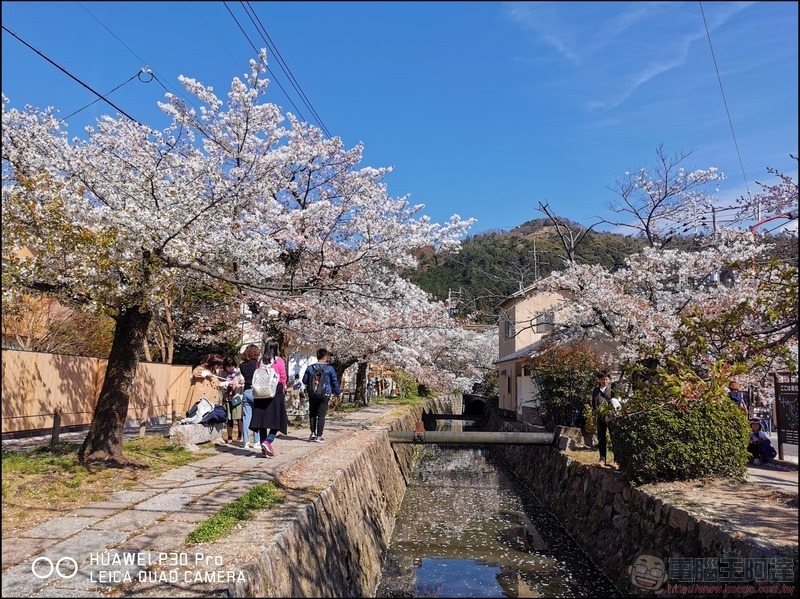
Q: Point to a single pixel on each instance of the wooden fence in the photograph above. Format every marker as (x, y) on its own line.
(37, 385)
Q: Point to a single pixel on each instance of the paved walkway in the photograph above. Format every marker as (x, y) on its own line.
(157, 513)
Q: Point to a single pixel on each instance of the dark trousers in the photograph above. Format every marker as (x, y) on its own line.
(317, 408)
(602, 428)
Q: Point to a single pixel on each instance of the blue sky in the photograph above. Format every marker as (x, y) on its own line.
(484, 109)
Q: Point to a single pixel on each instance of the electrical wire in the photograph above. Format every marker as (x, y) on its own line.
(107, 94)
(71, 76)
(215, 35)
(282, 63)
(724, 101)
(297, 110)
(172, 89)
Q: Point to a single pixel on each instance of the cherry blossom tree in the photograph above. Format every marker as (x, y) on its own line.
(644, 306)
(661, 201)
(390, 321)
(231, 192)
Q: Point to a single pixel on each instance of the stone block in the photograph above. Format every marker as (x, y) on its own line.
(574, 434)
(678, 518)
(59, 528)
(191, 435)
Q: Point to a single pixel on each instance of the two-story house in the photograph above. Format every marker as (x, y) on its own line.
(525, 318)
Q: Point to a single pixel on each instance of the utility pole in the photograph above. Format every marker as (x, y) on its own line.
(451, 303)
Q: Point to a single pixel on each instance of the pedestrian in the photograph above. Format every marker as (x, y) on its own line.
(601, 396)
(204, 381)
(319, 396)
(232, 398)
(737, 396)
(293, 394)
(760, 447)
(269, 413)
(250, 359)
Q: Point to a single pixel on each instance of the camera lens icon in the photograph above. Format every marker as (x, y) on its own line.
(43, 567)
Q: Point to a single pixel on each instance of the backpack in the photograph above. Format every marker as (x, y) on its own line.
(265, 381)
(316, 383)
(196, 413)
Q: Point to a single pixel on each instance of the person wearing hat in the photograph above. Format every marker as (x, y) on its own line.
(760, 447)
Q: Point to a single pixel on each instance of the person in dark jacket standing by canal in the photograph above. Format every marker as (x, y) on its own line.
(601, 395)
(319, 396)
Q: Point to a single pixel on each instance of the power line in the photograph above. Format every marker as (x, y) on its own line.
(66, 72)
(136, 55)
(215, 35)
(138, 74)
(282, 63)
(300, 114)
(725, 102)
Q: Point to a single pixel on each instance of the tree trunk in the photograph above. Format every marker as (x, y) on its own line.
(361, 384)
(103, 442)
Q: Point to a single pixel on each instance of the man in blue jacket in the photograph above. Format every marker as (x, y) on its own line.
(321, 382)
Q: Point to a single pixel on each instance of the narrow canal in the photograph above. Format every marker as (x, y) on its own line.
(466, 528)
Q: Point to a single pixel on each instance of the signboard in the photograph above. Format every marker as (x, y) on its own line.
(785, 413)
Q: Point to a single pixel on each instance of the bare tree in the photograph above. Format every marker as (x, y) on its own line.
(569, 237)
(656, 202)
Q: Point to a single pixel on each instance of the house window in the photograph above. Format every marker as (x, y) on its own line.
(509, 332)
(544, 322)
(508, 384)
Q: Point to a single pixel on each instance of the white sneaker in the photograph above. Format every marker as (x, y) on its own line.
(246, 446)
(756, 462)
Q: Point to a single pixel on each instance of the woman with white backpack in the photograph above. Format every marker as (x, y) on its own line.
(269, 406)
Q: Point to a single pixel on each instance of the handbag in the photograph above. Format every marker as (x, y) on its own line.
(236, 401)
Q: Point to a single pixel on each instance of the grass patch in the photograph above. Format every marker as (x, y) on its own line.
(47, 480)
(589, 456)
(220, 525)
(399, 401)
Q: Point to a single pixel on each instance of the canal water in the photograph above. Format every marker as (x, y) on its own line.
(467, 528)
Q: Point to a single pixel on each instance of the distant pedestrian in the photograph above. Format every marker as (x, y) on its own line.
(247, 367)
(269, 413)
(602, 396)
(737, 396)
(319, 396)
(232, 398)
(293, 394)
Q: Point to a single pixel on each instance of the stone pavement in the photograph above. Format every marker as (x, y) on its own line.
(776, 473)
(103, 544)
(781, 474)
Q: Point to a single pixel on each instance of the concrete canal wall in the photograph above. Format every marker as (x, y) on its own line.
(332, 539)
(333, 544)
(613, 522)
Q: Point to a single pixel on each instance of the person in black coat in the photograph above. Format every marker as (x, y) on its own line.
(601, 395)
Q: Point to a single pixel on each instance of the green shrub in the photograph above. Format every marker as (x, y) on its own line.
(565, 376)
(669, 442)
(406, 384)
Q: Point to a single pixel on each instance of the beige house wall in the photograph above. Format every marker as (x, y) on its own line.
(519, 311)
(35, 384)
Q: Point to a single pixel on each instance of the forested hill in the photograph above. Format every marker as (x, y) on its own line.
(491, 266)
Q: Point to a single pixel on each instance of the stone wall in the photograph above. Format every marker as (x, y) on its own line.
(613, 522)
(334, 546)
